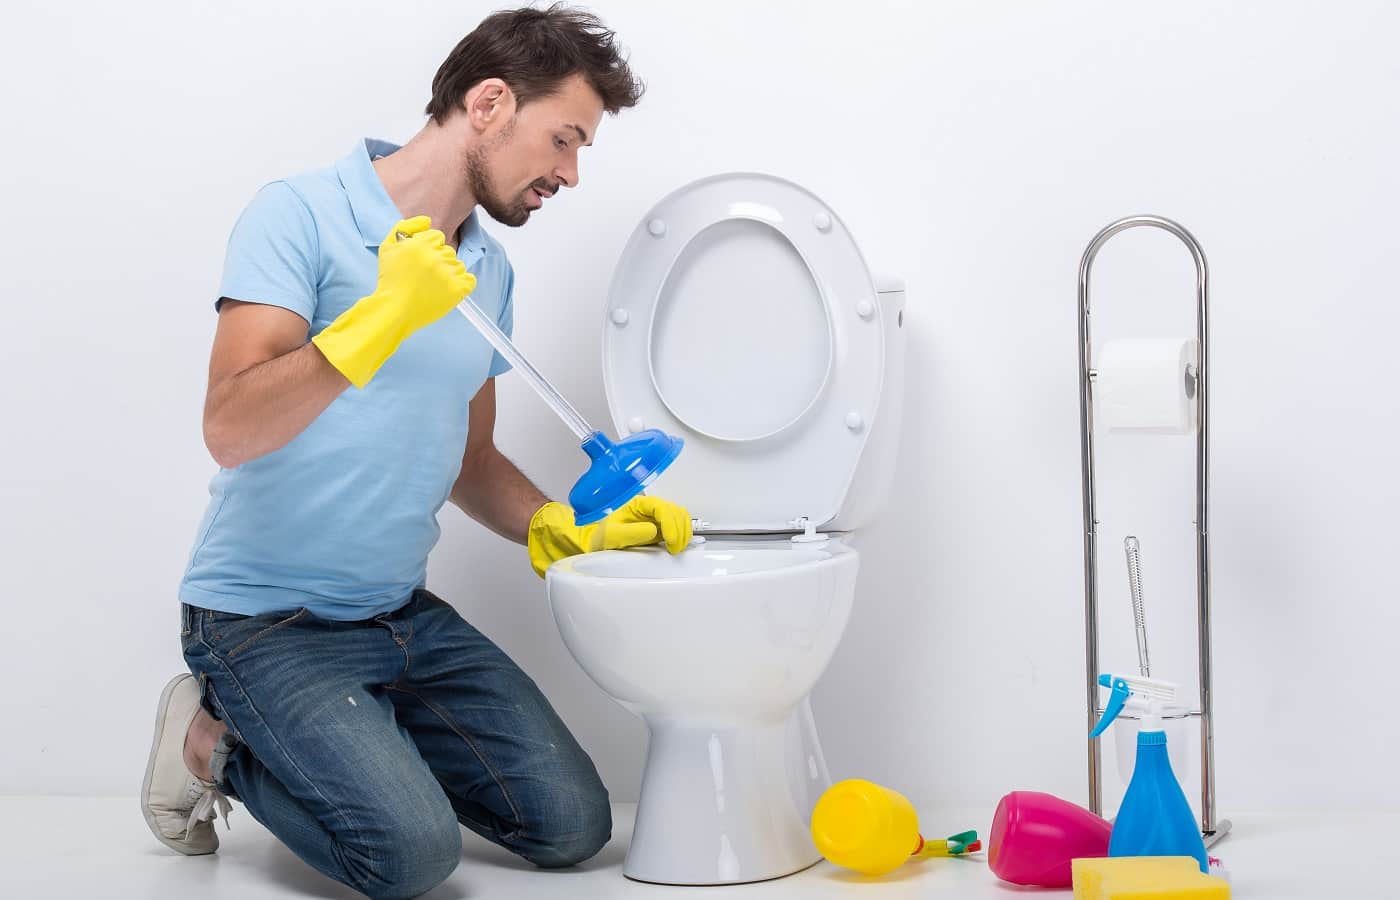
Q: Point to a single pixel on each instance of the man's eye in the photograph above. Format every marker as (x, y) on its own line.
(560, 143)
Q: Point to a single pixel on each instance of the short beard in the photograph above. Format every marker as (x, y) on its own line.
(514, 213)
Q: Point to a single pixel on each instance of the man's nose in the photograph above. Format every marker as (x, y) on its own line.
(567, 175)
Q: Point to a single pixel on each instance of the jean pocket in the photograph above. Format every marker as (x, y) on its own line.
(239, 633)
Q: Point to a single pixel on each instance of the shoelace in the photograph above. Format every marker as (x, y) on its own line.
(209, 803)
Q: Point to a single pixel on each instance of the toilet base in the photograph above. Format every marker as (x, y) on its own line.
(727, 803)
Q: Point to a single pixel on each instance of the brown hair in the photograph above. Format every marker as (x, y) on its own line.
(534, 51)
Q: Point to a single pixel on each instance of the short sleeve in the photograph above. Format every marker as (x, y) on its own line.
(272, 252)
(506, 322)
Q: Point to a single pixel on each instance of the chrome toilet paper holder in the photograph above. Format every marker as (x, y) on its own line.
(1212, 829)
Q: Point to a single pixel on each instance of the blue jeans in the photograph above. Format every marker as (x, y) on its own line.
(362, 745)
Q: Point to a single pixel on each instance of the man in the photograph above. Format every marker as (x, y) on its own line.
(355, 714)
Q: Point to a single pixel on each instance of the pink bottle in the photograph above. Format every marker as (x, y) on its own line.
(1035, 835)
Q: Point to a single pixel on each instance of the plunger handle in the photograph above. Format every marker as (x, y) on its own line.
(498, 339)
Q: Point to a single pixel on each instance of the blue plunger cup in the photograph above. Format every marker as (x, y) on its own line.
(620, 471)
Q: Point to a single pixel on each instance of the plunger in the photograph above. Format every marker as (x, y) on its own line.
(617, 470)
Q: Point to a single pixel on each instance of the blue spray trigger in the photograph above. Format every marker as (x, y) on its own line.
(1118, 696)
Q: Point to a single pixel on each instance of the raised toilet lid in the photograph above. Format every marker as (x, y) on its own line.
(742, 317)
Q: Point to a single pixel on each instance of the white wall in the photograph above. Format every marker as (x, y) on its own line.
(974, 148)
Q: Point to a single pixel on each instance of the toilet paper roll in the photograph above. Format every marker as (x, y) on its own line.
(1147, 385)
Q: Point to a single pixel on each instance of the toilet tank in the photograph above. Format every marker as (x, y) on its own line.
(870, 484)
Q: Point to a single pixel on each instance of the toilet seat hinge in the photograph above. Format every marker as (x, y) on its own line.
(809, 531)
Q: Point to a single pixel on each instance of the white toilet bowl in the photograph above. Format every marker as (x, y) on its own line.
(743, 319)
(717, 650)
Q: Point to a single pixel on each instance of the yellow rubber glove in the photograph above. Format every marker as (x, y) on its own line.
(644, 520)
(420, 281)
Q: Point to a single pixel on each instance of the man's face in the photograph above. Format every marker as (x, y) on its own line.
(535, 152)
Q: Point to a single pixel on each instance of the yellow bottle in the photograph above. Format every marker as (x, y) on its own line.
(860, 825)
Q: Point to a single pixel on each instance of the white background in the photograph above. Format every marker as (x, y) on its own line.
(972, 147)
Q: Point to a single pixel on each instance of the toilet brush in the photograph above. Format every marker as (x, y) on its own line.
(1133, 551)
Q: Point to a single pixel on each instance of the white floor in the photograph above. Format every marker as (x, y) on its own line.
(65, 847)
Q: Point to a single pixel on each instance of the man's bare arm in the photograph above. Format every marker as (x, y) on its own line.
(490, 488)
(266, 382)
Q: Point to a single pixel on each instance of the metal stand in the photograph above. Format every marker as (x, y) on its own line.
(1211, 829)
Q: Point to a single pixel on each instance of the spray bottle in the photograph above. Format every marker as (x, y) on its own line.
(1155, 819)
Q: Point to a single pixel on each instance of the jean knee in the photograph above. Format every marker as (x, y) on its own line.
(577, 826)
(417, 856)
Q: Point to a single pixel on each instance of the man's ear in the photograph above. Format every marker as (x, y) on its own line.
(489, 103)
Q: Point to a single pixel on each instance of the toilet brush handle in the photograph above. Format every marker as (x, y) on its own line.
(1134, 554)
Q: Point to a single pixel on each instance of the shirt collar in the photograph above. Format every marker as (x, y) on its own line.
(374, 212)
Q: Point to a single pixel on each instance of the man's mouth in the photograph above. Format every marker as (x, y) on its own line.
(540, 195)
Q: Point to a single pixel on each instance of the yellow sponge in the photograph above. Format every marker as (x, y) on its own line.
(1145, 878)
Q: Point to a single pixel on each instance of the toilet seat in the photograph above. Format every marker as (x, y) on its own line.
(743, 318)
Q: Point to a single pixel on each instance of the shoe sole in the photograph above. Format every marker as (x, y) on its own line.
(161, 710)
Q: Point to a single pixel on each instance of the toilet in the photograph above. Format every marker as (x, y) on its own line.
(743, 318)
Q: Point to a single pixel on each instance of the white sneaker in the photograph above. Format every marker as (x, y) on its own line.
(179, 807)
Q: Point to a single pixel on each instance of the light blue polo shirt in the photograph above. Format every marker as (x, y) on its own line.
(341, 519)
